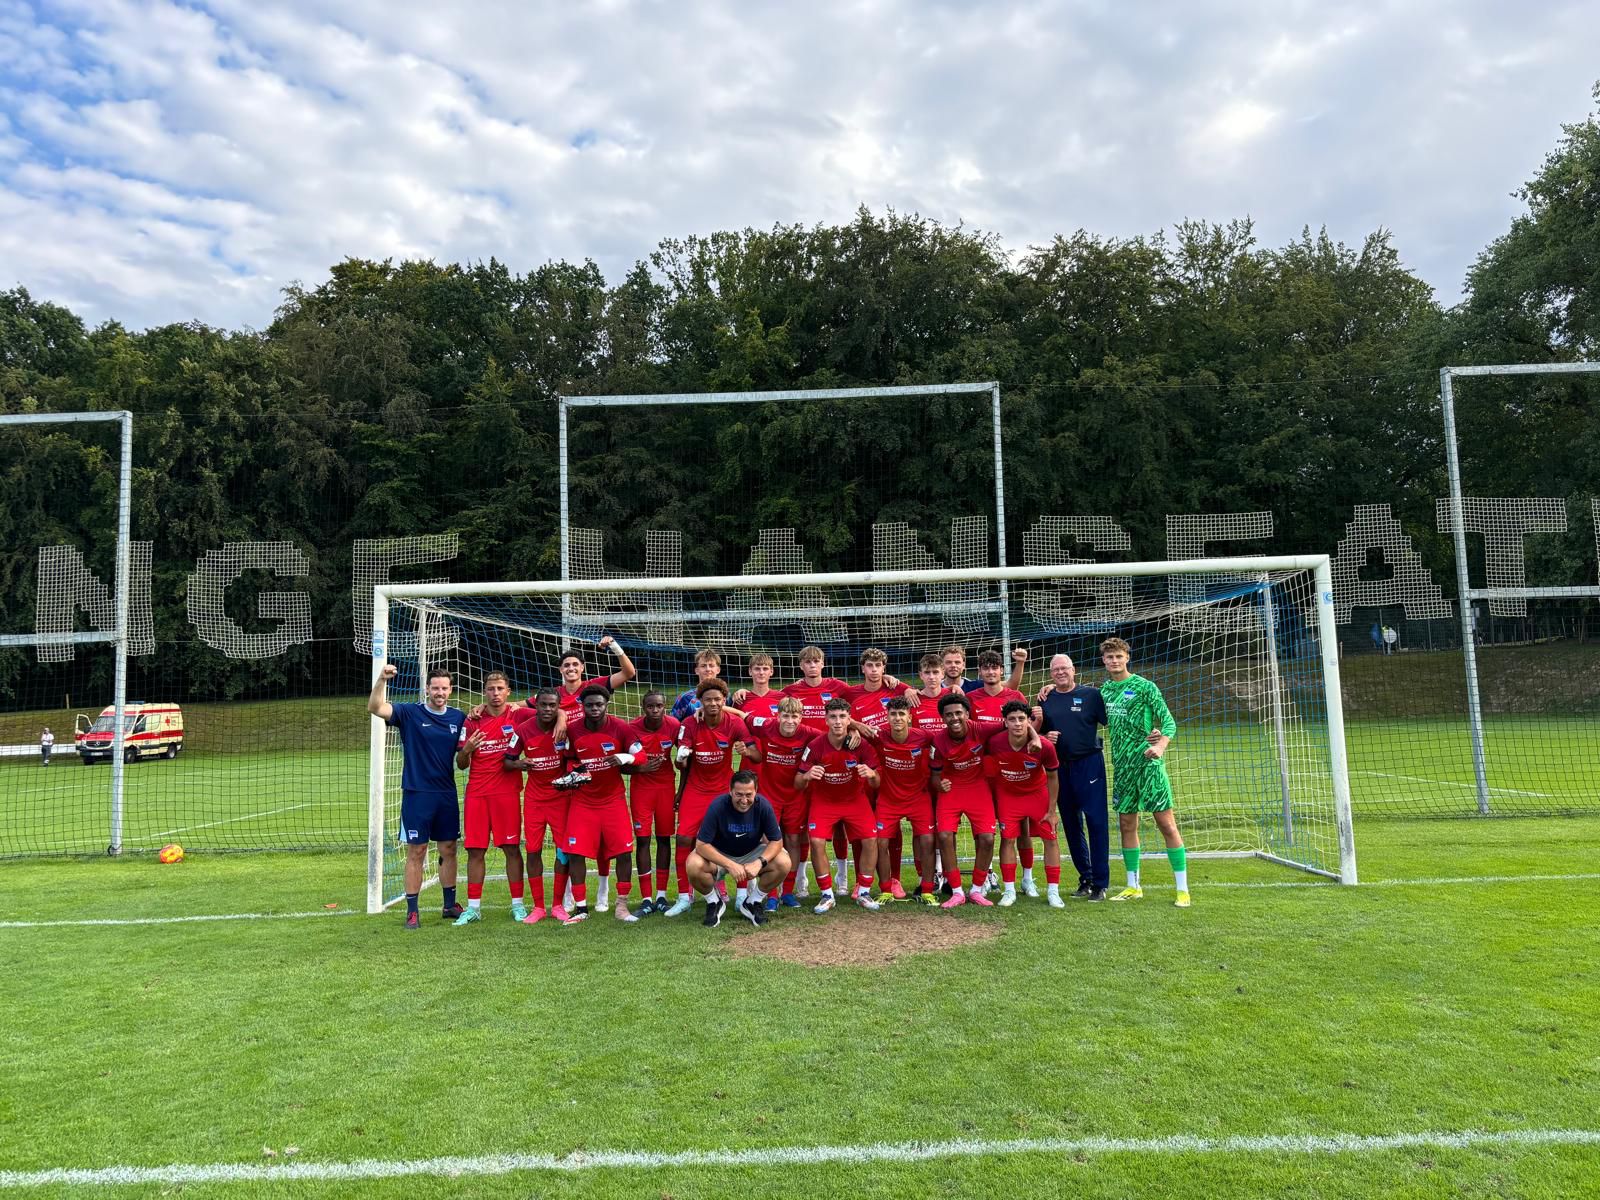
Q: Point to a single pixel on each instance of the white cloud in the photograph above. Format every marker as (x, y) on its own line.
(164, 161)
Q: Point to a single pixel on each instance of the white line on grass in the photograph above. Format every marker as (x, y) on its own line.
(271, 812)
(784, 1156)
(1441, 881)
(1447, 783)
(286, 916)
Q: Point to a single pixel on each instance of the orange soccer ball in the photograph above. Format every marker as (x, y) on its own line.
(171, 853)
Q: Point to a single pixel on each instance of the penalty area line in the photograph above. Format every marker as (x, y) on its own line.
(1439, 881)
(283, 916)
(782, 1156)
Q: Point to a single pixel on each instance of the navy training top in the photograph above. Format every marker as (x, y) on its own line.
(1076, 715)
(429, 740)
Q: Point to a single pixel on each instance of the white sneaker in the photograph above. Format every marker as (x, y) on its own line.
(1008, 897)
(683, 904)
(1026, 884)
(1055, 901)
(865, 900)
(602, 895)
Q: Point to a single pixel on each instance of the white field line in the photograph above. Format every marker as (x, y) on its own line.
(271, 812)
(1442, 881)
(1472, 787)
(287, 916)
(790, 1156)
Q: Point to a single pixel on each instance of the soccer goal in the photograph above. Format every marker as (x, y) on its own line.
(1243, 649)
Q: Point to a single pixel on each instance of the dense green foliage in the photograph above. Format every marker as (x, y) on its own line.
(1190, 371)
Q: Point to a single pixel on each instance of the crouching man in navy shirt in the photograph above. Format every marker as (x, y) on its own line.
(739, 838)
(1070, 716)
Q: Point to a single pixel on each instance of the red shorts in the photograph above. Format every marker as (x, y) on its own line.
(539, 816)
(652, 811)
(793, 814)
(857, 817)
(598, 832)
(692, 811)
(1014, 810)
(495, 819)
(918, 810)
(977, 807)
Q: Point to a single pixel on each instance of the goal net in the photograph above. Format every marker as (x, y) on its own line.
(1242, 649)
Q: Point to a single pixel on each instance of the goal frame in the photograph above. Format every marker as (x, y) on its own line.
(117, 636)
(915, 391)
(1319, 565)
(1465, 592)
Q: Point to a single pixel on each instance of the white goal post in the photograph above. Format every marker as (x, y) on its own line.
(61, 640)
(1244, 649)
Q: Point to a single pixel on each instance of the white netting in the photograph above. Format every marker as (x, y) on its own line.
(1505, 522)
(1409, 583)
(1250, 765)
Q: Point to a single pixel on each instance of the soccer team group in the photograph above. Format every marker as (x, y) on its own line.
(836, 766)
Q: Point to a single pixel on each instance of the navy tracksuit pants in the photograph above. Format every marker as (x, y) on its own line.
(1082, 804)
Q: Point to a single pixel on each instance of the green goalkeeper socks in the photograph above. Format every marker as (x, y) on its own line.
(1179, 858)
(1130, 859)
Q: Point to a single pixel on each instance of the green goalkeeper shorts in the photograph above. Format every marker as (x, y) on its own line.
(1141, 789)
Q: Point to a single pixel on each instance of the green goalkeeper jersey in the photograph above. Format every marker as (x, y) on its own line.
(1134, 707)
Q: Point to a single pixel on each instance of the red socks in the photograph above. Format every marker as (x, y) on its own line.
(624, 886)
(1008, 872)
(825, 883)
(536, 886)
(1025, 853)
(788, 884)
(661, 881)
(841, 844)
(516, 890)
(474, 891)
(1052, 874)
(953, 874)
(683, 871)
(978, 876)
(580, 893)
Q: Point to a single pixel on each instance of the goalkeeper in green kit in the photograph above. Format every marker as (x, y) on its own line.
(1139, 726)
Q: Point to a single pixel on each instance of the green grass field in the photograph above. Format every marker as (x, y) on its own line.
(1277, 1006)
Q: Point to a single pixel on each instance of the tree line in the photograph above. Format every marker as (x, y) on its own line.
(1193, 370)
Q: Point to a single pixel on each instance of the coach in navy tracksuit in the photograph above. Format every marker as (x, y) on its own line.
(1071, 716)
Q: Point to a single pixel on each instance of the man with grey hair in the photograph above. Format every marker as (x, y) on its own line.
(1070, 716)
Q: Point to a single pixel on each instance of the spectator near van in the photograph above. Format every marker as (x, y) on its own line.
(149, 731)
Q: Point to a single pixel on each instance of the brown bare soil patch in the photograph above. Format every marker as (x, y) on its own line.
(852, 939)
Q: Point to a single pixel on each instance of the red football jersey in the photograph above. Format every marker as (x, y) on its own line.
(658, 744)
(814, 700)
(870, 708)
(960, 762)
(762, 706)
(1019, 773)
(570, 704)
(986, 708)
(904, 773)
(540, 748)
(780, 759)
(487, 776)
(588, 748)
(926, 715)
(840, 784)
(711, 768)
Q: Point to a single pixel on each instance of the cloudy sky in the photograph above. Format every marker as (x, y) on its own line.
(164, 161)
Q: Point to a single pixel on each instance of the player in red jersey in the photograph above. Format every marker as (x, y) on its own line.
(779, 744)
(905, 757)
(988, 702)
(707, 743)
(964, 792)
(538, 747)
(836, 777)
(494, 797)
(651, 795)
(1023, 768)
(760, 699)
(574, 669)
(925, 716)
(600, 749)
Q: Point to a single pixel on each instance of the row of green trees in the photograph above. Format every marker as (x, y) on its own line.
(1190, 371)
